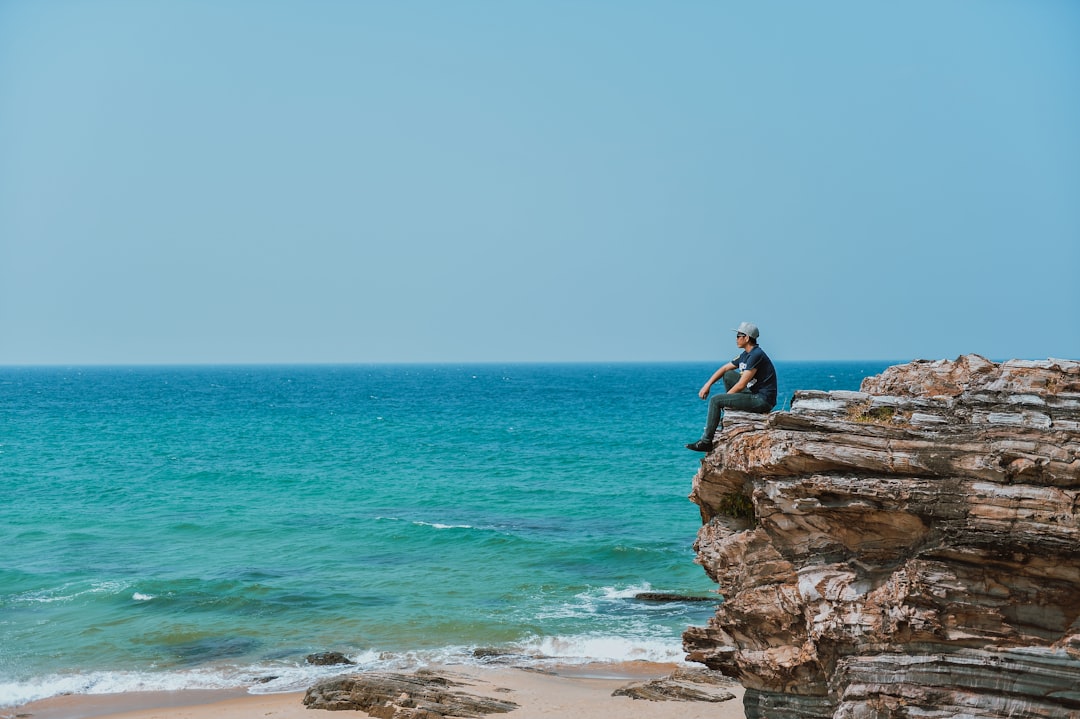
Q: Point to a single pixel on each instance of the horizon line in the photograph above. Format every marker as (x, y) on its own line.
(445, 363)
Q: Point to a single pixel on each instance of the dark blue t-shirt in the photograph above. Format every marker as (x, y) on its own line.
(764, 382)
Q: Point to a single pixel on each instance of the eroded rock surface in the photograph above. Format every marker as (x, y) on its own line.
(911, 549)
(682, 685)
(423, 695)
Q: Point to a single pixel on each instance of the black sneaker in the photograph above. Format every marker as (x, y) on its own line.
(702, 445)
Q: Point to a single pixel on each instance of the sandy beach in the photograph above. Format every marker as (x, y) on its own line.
(580, 691)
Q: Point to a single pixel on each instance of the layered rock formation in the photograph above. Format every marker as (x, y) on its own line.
(908, 550)
(682, 685)
(421, 695)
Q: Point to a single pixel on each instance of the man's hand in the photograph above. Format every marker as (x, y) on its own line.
(704, 392)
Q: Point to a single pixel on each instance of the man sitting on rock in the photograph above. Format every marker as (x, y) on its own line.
(750, 380)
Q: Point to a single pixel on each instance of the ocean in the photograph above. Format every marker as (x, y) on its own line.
(208, 527)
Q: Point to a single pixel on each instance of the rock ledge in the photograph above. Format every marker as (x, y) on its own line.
(910, 549)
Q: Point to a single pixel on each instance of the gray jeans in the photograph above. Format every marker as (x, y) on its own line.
(745, 401)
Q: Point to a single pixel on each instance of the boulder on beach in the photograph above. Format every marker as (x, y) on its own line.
(682, 685)
(422, 695)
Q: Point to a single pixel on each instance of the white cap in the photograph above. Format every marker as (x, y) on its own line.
(749, 329)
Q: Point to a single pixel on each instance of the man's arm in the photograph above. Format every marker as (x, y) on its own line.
(704, 391)
(744, 379)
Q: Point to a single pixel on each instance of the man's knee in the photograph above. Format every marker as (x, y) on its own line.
(731, 378)
(722, 400)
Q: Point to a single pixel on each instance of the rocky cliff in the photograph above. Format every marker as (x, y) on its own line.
(908, 550)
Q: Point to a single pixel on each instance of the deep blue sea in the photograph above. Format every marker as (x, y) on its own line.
(202, 527)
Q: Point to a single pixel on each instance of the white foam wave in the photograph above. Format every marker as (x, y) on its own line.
(439, 525)
(586, 648)
(140, 597)
(277, 677)
(264, 678)
(16, 693)
(624, 592)
(444, 525)
(67, 592)
(593, 601)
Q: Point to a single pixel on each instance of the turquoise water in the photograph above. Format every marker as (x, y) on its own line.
(201, 527)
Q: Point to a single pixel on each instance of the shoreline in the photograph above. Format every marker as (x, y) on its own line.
(563, 691)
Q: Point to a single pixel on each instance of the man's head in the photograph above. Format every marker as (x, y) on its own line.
(747, 330)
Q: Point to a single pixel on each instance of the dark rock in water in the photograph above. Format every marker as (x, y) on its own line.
(670, 597)
(683, 685)
(423, 695)
(328, 659)
(485, 652)
(207, 650)
(491, 655)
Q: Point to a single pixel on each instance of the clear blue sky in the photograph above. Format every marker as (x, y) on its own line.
(330, 181)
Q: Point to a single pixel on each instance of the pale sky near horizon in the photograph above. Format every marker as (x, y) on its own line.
(220, 181)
